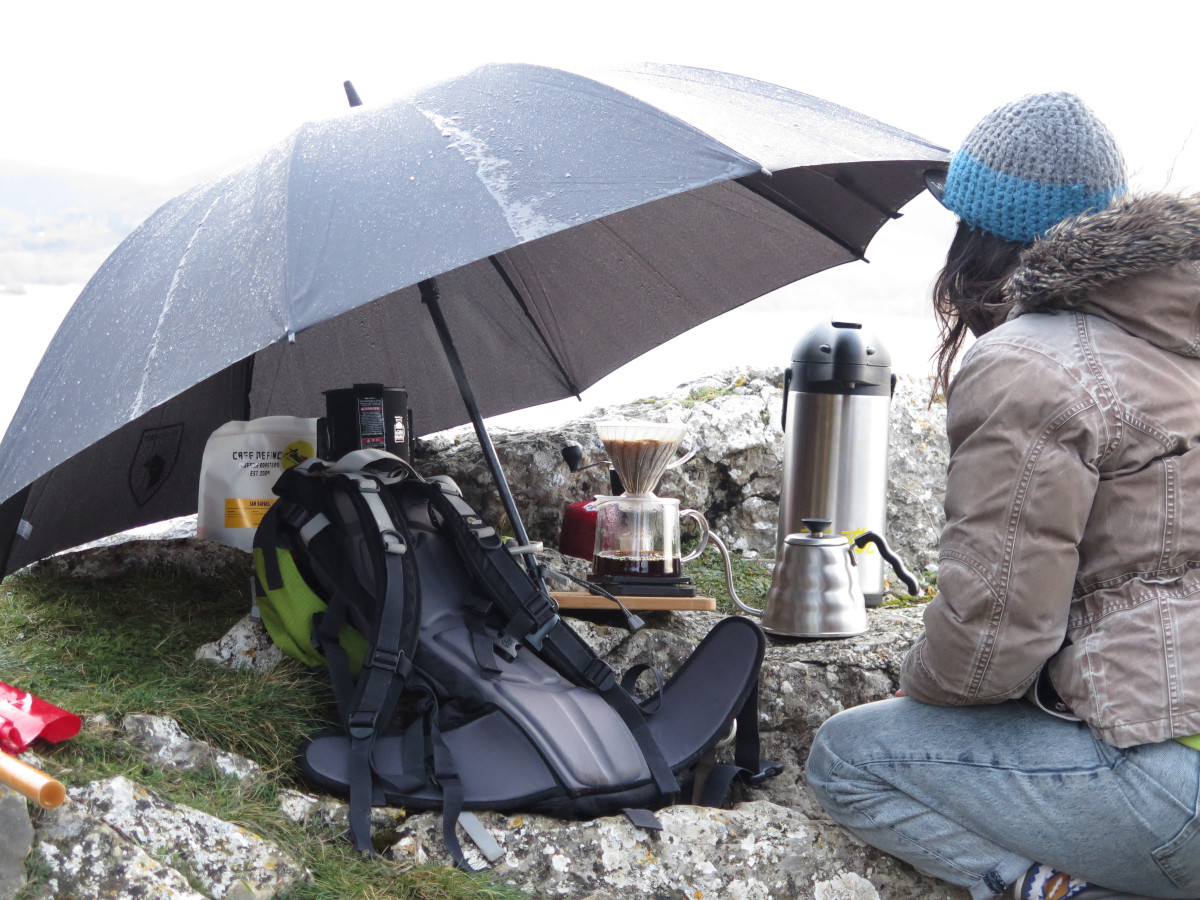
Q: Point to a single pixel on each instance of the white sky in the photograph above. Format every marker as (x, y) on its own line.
(160, 90)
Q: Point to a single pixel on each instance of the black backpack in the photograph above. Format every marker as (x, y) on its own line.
(458, 685)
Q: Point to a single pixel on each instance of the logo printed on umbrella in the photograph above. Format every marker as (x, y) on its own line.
(153, 461)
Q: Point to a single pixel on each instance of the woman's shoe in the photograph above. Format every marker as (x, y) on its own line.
(1044, 883)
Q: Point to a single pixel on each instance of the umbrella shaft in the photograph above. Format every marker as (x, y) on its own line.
(429, 296)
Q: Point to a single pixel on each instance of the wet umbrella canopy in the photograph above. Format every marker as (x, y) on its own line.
(572, 224)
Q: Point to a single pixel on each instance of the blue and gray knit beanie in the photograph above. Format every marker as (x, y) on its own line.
(1032, 163)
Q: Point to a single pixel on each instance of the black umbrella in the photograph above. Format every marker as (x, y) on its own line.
(571, 223)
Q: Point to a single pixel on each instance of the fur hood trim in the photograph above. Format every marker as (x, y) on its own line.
(1131, 236)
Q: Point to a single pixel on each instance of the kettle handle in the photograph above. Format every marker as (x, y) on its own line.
(870, 537)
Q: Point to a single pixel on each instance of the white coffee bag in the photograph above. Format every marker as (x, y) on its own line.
(241, 462)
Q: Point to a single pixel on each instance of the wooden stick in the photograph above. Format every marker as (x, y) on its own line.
(33, 783)
(580, 600)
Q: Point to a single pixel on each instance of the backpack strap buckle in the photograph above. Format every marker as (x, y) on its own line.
(535, 640)
(394, 661)
(599, 675)
(292, 514)
(392, 541)
(507, 645)
(361, 723)
(533, 620)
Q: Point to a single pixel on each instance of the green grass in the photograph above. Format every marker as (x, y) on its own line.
(708, 393)
(125, 645)
(928, 586)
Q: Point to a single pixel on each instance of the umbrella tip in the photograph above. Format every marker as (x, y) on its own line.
(351, 94)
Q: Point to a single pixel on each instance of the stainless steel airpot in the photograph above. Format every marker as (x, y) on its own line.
(815, 592)
(837, 397)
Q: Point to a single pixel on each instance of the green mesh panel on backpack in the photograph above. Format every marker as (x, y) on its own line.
(288, 613)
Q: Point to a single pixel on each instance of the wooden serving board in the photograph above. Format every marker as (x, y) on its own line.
(580, 600)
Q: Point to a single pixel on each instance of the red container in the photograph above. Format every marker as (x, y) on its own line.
(578, 537)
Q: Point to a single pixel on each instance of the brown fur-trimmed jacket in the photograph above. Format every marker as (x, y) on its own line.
(1071, 549)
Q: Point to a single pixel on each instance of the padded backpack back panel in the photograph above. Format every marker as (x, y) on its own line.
(580, 735)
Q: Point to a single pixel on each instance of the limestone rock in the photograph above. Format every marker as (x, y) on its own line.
(88, 858)
(298, 807)
(328, 814)
(602, 638)
(99, 726)
(199, 558)
(165, 744)
(802, 683)
(219, 856)
(566, 565)
(16, 843)
(918, 454)
(654, 646)
(246, 645)
(755, 851)
(733, 478)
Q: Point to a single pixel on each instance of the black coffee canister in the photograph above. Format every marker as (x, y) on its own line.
(366, 416)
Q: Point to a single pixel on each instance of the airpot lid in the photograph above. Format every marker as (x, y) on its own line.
(841, 357)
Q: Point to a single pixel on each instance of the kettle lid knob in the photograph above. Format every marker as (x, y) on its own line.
(817, 526)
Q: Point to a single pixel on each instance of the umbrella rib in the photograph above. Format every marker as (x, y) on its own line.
(842, 180)
(512, 288)
(757, 184)
(139, 402)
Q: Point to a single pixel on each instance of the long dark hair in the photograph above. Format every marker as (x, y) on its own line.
(968, 294)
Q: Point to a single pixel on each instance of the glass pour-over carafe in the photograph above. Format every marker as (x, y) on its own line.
(637, 547)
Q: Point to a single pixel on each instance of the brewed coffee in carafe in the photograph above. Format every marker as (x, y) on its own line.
(637, 533)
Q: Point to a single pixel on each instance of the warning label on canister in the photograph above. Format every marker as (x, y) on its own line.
(244, 512)
(370, 423)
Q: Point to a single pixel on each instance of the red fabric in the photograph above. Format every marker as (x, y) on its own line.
(10, 738)
(24, 717)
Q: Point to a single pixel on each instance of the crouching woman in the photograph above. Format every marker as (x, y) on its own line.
(1045, 742)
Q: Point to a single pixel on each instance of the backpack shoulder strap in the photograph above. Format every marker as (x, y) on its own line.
(385, 599)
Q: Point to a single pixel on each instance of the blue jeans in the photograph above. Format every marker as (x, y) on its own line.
(975, 795)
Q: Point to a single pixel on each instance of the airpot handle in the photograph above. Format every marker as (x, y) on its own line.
(870, 537)
(787, 383)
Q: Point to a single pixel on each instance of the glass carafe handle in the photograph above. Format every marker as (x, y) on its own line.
(704, 532)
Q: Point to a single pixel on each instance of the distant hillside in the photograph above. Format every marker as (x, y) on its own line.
(56, 227)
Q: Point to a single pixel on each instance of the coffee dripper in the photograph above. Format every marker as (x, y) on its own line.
(637, 550)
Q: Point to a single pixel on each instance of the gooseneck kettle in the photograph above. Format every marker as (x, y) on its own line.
(815, 592)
